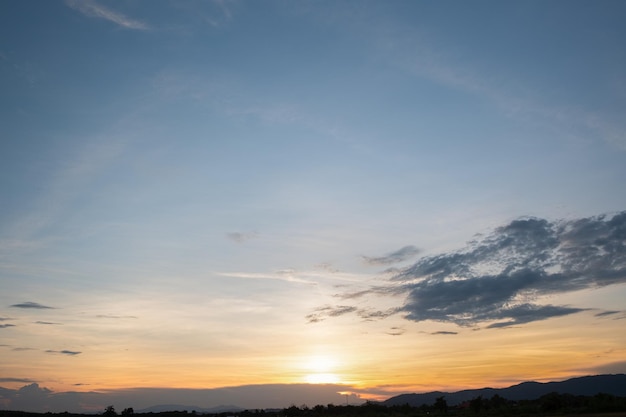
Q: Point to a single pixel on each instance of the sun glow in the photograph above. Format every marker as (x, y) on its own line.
(320, 370)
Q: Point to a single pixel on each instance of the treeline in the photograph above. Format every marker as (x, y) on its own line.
(548, 405)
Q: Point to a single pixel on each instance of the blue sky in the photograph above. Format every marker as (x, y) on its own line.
(248, 192)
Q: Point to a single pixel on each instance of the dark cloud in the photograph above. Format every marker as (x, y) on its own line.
(5, 318)
(4, 326)
(441, 332)
(64, 352)
(34, 398)
(22, 349)
(47, 322)
(497, 279)
(400, 255)
(30, 304)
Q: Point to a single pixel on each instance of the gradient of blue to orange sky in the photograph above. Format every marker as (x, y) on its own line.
(379, 196)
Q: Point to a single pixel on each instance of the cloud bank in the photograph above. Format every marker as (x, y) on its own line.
(496, 281)
(34, 398)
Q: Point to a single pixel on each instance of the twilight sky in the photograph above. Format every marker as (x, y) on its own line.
(384, 196)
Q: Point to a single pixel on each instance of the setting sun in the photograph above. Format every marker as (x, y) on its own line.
(320, 370)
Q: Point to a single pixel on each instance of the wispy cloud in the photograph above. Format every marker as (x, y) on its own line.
(47, 323)
(400, 255)
(444, 333)
(289, 275)
(112, 316)
(91, 8)
(497, 280)
(325, 312)
(64, 352)
(4, 326)
(30, 304)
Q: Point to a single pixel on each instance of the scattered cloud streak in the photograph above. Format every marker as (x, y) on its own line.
(91, 8)
(111, 316)
(20, 380)
(30, 304)
(496, 281)
(4, 326)
(64, 352)
(400, 255)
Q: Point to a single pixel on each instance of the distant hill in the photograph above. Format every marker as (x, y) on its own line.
(587, 385)
(162, 408)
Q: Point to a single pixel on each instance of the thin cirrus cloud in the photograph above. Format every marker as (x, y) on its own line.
(31, 305)
(496, 280)
(4, 326)
(400, 255)
(91, 8)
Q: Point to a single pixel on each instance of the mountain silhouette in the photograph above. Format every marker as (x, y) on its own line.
(586, 385)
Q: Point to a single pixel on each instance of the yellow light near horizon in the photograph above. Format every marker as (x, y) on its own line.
(326, 378)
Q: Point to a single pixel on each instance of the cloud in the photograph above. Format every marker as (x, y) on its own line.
(91, 8)
(241, 237)
(396, 331)
(30, 304)
(47, 323)
(20, 380)
(400, 255)
(22, 349)
(5, 318)
(607, 313)
(64, 352)
(112, 316)
(4, 326)
(443, 333)
(496, 281)
(33, 398)
(288, 275)
(322, 313)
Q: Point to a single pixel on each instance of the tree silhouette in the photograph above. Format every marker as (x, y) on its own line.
(110, 411)
(441, 405)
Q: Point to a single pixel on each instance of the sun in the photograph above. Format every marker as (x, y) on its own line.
(320, 370)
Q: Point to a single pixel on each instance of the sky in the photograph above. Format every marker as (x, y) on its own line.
(307, 202)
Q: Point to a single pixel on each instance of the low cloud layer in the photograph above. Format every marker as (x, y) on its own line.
(496, 281)
(35, 398)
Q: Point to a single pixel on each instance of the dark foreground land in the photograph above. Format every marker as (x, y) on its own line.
(550, 405)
